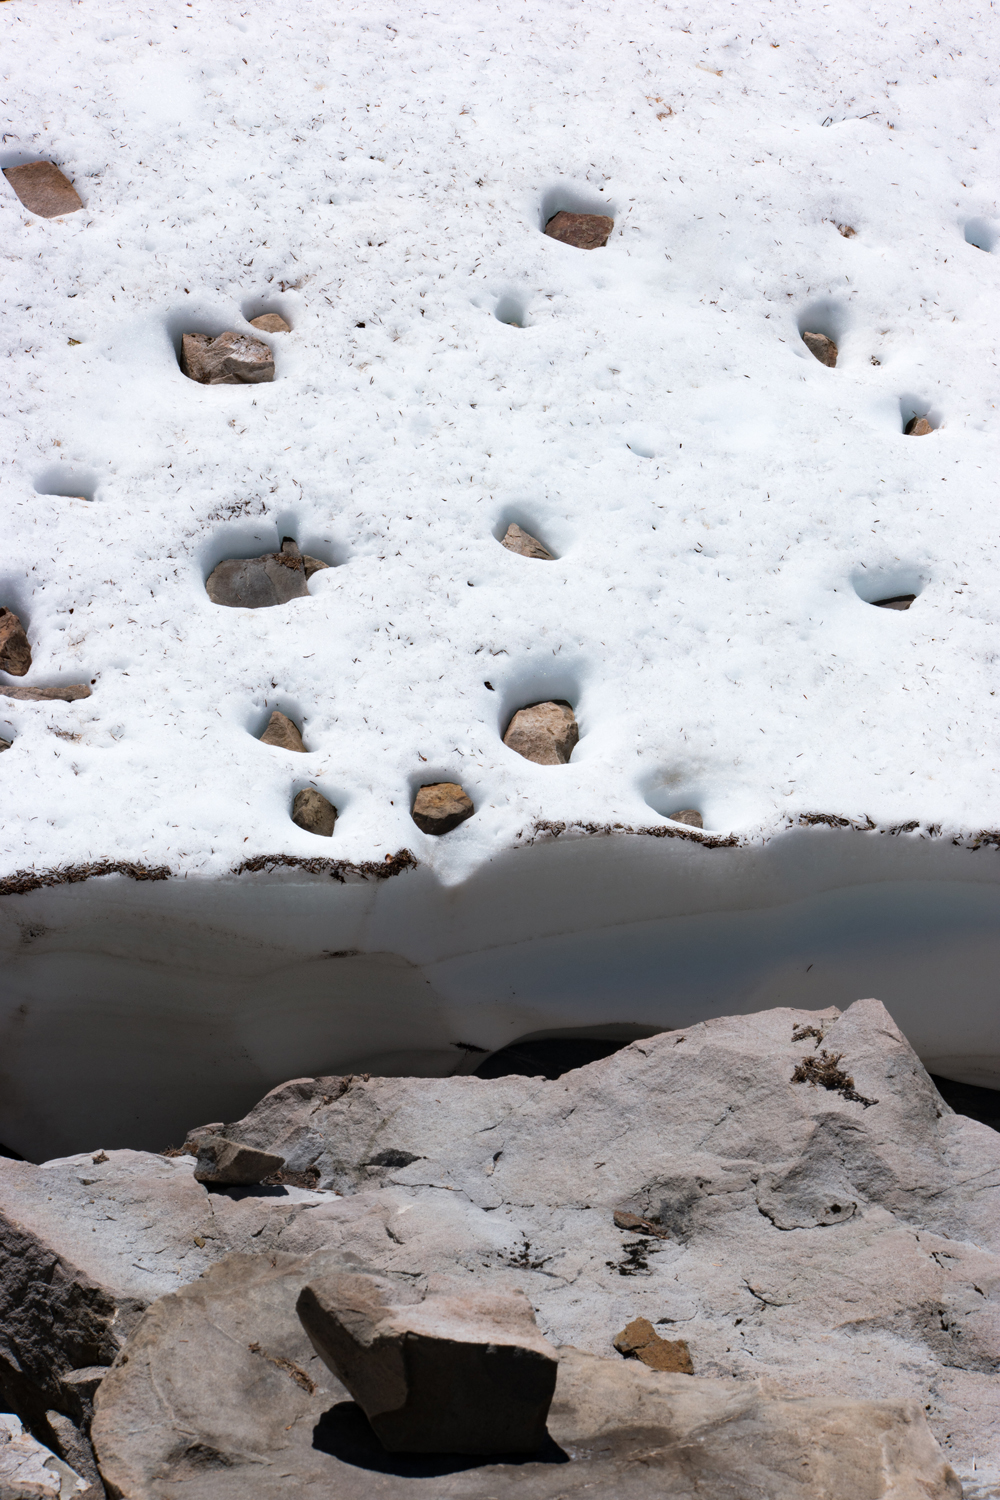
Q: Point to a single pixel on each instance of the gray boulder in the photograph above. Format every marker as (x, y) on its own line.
(545, 733)
(227, 359)
(43, 189)
(444, 1368)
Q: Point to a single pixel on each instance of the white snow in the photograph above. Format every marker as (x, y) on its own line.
(721, 505)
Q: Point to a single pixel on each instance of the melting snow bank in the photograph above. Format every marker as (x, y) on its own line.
(130, 1007)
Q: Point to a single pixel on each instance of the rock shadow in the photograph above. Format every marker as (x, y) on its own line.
(67, 480)
(512, 311)
(567, 197)
(916, 416)
(888, 587)
(981, 233)
(550, 1055)
(345, 1433)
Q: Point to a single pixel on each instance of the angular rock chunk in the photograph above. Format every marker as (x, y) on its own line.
(30, 1472)
(898, 601)
(43, 189)
(585, 231)
(689, 815)
(917, 427)
(68, 694)
(15, 653)
(545, 733)
(283, 733)
(271, 323)
(441, 807)
(314, 813)
(227, 1162)
(452, 1370)
(258, 582)
(228, 359)
(640, 1340)
(824, 349)
(523, 543)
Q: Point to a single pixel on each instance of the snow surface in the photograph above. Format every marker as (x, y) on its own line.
(723, 509)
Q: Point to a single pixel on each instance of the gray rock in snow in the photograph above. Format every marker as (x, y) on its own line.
(227, 359)
(823, 348)
(258, 582)
(545, 733)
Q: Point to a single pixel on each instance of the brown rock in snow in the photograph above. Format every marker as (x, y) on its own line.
(898, 601)
(228, 359)
(5, 745)
(43, 189)
(585, 231)
(47, 695)
(228, 1162)
(523, 543)
(258, 582)
(689, 815)
(441, 807)
(450, 1369)
(640, 1340)
(824, 349)
(544, 732)
(271, 323)
(282, 733)
(311, 565)
(15, 653)
(314, 813)
(917, 427)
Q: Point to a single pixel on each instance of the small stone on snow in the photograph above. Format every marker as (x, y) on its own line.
(544, 732)
(283, 733)
(523, 543)
(15, 653)
(228, 359)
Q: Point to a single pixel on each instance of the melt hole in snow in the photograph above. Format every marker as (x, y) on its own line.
(677, 800)
(641, 445)
(269, 314)
(510, 311)
(69, 482)
(888, 587)
(550, 1054)
(822, 325)
(981, 233)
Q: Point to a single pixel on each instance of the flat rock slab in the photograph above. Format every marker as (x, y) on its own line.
(440, 807)
(228, 359)
(823, 348)
(258, 582)
(43, 189)
(523, 543)
(15, 653)
(222, 1397)
(314, 812)
(443, 1368)
(283, 734)
(585, 231)
(271, 323)
(545, 733)
(68, 694)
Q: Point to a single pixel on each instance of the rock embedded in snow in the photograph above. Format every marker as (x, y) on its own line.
(271, 323)
(226, 359)
(898, 601)
(282, 733)
(398, 1349)
(585, 231)
(258, 582)
(544, 732)
(68, 694)
(5, 745)
(229, 1164)
(43, 189)
(440, 807)
(314, 813)
(917, 427)
(523, 543)
(689, 815)
(640, 1340)
(290, 548)
(823, 348)
(15, 652)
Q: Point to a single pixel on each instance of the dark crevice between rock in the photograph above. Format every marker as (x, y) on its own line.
(344, 1432)
(549, 1057)
(971, 1100)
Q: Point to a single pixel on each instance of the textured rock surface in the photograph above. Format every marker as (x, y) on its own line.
(223, 1397)
(227, 1163)
(282, 733)
(228, 359)
(641, 1341)
(43, 189)
(443, 1368)
(29, 1471)
(523, 543)
(917, 427)
(545, 733)
(824, 349)
(689, 815)
(441, 807)
(585, 231)
(313, 812)
(15, 653)
(258, 582)
(843, 1247)
(68, 694)
(271, 323)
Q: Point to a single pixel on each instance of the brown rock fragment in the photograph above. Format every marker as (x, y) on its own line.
(585, 231)
(5, 745)
(227, 1162)
(917, 427)
(314, 813)
(640, 1340)
(689, 815)
(15, 653)
(43, 189)
(282, 733)
(635, 1224)
(523, 543)
(898, 601)
(271, 323)
(258, 582)
(67, 694)
(824, 349)
(228, 359)
(440, 807)
(544, 732)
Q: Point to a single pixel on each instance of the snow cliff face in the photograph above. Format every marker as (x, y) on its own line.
(724, 510)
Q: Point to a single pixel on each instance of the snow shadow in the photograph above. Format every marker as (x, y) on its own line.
(880, 582)
(825, 315)
(511, 310)
(15, 594)
(912, 408)
(669, 793)
(570, 198)
(981, 233)
(641, 443)
(520, 515)
(67, 480)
